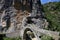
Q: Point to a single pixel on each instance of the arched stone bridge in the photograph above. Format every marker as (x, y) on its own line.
(36, 31)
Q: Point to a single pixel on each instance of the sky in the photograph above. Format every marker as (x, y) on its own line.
(46, 1)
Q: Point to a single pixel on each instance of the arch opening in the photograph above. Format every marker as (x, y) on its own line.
(28, 34)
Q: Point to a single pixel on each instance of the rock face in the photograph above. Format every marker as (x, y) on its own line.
(21, 20)
(17, 16)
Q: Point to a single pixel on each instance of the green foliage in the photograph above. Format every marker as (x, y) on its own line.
(52, 14)
(46, 38)
(17, 38)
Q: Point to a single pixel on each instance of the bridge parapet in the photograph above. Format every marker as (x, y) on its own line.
(53, 34)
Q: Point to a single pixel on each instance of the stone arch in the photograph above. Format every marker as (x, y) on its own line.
(25, 33)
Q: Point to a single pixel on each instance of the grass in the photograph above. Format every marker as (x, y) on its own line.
(6, 38)
(45, 37)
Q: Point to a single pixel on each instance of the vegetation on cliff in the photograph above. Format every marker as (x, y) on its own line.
(52, 14)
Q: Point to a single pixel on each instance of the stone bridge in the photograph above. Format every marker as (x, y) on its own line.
(36, 32)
